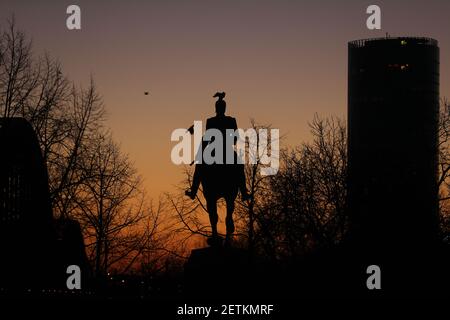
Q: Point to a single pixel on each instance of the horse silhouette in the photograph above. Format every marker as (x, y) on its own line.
(220, 179)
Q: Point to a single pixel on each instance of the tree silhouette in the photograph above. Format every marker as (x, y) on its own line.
(62, 115)
(444, 168)
(305, 201)
(302, 207)
(110, 203)
(86, 168)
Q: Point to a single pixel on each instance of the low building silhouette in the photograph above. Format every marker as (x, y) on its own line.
(35, 251)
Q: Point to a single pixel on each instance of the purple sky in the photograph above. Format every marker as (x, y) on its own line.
(279, 61)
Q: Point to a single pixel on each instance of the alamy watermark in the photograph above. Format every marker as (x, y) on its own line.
(251, 146)
(73, 21)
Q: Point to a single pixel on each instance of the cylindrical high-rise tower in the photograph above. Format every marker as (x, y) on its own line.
(393, 109)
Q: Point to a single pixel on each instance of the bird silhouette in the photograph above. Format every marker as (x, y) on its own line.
(219, 95)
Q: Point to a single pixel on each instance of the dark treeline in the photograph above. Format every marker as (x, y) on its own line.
(303, 207)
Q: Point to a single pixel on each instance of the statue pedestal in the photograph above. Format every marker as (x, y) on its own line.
(219, 271)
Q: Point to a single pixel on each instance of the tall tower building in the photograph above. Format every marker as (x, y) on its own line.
(393, 110)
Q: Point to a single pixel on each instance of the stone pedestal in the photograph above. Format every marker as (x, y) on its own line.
(220, 271)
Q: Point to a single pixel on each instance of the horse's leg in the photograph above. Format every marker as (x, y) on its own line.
(192, 192)
(211, 206)
(230, 209)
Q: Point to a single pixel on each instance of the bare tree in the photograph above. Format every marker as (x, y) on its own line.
(247, 212)
(166, 250)
(90, 179)
(444, 167)
(19, 77)
(64, 139)
(189, 221)
(62, 116)
(110, 204)
(305, 206)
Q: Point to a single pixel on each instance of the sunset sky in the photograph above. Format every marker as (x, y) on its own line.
(279, 61)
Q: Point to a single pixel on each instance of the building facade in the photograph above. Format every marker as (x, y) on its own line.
(393, 110)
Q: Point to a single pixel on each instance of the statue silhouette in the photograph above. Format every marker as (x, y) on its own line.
(220, 180)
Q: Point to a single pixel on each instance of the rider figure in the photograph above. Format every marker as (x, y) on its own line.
(222, 123)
